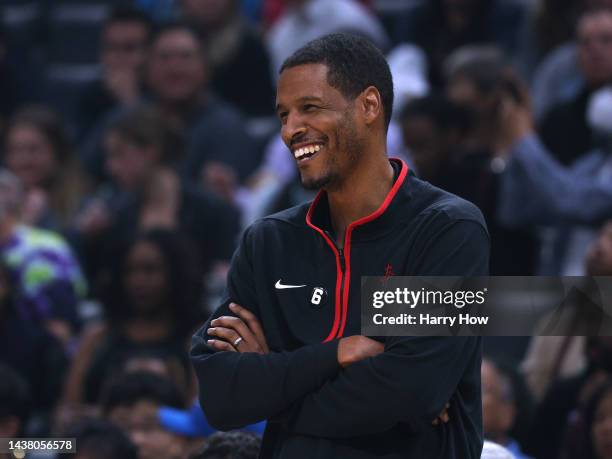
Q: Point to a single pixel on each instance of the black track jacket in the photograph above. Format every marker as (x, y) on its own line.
(306, 294)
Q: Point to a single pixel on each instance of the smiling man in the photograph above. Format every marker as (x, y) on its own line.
(285, 344)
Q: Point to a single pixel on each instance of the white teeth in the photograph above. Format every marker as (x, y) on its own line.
(308, 149)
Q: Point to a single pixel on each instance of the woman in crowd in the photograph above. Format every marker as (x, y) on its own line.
(39, 152)
(152, 293)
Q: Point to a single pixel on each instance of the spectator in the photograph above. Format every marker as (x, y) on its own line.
(152, 297)
(15, 403)
(141, 151)
(596, 424)
(39, 152)
(99, 439)
(124, 39)
(456, 147)
(47, 277)
(305, 20)
(565, 395)
(564, 128)
(552, 357)
(504, 406)
(39, 358)
(239, 65)
(132, 401)
(176, 77)
(440, 27)
(230, 445)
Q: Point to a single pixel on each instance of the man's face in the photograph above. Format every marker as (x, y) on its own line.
(141, 423)
(498, 412)
(128, 164)
(318, 126)
(599, 256)
(595, 47)
(176, 67)
(124, 46)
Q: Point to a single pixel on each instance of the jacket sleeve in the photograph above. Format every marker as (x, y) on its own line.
(237, 389)
(536, 189)
(414, 377)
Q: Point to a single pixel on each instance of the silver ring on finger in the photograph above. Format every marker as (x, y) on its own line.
(237, 341)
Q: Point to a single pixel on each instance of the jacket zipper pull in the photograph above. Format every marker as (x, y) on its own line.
(342, 262)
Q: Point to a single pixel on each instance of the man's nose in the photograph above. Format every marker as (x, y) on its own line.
(294, 127)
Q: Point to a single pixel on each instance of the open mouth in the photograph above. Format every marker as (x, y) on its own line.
(306, 152)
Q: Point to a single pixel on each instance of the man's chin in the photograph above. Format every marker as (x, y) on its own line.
(315, 183)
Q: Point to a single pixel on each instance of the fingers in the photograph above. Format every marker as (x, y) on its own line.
(231, 328)
(443, 417)
(252, 322)
(221, 345)
(227, 334)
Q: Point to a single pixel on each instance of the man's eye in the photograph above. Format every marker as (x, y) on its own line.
(310, 107)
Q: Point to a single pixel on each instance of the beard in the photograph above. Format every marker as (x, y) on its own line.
(350, 144)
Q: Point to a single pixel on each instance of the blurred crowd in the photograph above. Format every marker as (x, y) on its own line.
(138, 138)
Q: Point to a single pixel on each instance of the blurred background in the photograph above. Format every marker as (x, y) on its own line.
(138, 139)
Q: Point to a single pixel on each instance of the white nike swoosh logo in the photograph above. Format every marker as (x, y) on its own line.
(280, 286)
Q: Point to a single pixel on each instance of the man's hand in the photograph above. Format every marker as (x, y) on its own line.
(238, 334)
(443, 417)
(356, 348)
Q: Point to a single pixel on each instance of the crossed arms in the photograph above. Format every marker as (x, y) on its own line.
(348, 387)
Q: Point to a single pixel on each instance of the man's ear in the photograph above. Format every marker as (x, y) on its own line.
(371, 105)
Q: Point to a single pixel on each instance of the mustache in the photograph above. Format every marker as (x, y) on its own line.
(305, 139)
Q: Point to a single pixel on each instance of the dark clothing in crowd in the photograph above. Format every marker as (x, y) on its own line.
(513, 251)
(245, 77)
(378, 407)
(209, 224)
(494, 22)
(95, 102)
(37, 356)
(116, 349)
(217, 133)
(565, 131)
(553, 414)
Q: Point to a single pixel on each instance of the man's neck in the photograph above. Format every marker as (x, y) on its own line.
(360, 194)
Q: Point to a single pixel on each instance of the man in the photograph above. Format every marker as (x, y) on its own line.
(564, 128)
(123, 53)
(326, 391)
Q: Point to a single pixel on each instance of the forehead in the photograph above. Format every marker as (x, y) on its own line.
(594, 23)
(304, 81)
(177, 38)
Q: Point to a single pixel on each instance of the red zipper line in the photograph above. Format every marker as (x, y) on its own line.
(341, 304)
(339, 273)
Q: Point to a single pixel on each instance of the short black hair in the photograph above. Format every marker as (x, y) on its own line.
(100, 439)
(443, 113)
(353, 64)
(230, 445)
(15, 398)
(129, 14)
(130, 388)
